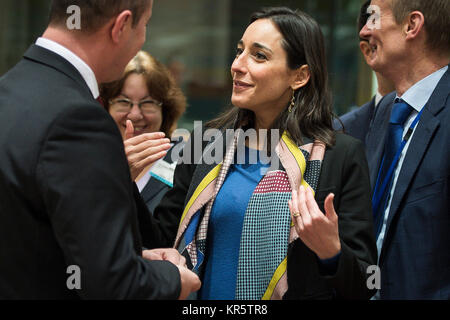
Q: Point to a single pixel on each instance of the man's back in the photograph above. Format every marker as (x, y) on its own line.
(66, 196)
(29, 104)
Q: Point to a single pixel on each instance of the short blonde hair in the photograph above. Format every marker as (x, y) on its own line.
(437, 21)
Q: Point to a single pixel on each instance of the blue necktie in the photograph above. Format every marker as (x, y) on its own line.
(400, 112)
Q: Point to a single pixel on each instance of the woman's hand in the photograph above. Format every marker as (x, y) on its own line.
(318, 231)
(143, 150)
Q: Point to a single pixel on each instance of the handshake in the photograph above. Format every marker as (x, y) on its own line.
(189, 280)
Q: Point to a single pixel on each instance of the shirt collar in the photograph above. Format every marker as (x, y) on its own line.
(378, 98)
(418, 95)
(85, 71)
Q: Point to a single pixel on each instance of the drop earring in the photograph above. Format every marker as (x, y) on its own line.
(292, 105)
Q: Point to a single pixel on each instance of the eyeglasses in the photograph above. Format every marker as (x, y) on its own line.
(123, 105)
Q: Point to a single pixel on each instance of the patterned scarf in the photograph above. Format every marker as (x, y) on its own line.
(267, 229)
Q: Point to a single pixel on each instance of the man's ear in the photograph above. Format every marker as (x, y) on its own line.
(121, 22)
(302, 77)
(414, 24)
(365, 49)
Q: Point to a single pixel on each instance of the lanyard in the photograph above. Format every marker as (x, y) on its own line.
(380, 189)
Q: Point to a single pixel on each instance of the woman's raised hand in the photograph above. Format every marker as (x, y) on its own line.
(318, 231)
(144, 149)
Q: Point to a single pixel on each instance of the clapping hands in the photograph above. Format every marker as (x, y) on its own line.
(144, 149)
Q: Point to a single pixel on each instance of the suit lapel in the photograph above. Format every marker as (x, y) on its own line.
(415, 153)
(152, 188)
(421, 139)
(376, 136)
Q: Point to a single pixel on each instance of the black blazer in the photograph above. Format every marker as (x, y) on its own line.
(66, 196)
(154, 190)
(345, 173)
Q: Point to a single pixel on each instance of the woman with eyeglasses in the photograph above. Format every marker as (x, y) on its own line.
(146, 104)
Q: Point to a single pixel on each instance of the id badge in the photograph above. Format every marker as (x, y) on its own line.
(164, 171)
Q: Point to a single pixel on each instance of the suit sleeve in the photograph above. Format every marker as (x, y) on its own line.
(358, 249)
(84, 179)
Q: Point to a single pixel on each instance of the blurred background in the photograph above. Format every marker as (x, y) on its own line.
(196, 39)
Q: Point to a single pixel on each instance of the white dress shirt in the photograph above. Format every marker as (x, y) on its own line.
(82, 67)
(378, 98)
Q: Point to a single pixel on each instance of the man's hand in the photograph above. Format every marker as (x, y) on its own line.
(167, 254)
(144, 149)
(189, 280)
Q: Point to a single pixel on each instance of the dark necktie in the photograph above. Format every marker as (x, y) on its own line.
(400, 112)
(100, 100)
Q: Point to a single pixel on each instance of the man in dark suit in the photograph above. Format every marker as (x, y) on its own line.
(68, 213)
(357, 122)
(408, 148)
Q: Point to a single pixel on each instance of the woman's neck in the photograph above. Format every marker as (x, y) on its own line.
(261, 124)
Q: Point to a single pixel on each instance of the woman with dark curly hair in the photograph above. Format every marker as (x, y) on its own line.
(146, 104)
